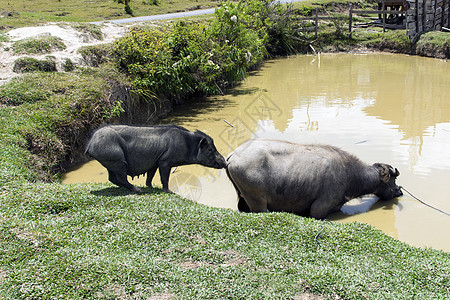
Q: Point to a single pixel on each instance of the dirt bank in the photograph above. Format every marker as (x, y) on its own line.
(72, 38)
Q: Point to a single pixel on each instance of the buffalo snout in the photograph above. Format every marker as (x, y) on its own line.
(398, 192)
(220, 163)
(216, 161)
(208, 155)
(389, 192)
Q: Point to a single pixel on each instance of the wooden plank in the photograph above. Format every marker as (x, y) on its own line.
(308, 29)
(376, 12)
(350, 19)
(317, 25)
(322, 18)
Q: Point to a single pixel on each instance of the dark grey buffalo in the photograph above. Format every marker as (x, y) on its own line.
(313, 180)
(135, 150)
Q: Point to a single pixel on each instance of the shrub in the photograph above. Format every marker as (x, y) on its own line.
(38, 45)
(204, 57)
(128, 10)
(68, 65)
(275, 24)
(240, 46)
(29, 64)
(151, 2)
(196, 57)
(95, 55)
(90, 29)
(144, 54)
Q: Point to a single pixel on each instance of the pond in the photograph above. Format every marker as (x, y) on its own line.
(385, 108)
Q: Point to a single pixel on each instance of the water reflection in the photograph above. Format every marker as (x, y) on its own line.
(382, 108)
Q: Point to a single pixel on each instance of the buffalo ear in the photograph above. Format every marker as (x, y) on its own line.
(203, 142)
(383, 170)
(397, 173)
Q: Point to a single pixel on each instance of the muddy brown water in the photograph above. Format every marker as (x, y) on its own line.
(380, 107)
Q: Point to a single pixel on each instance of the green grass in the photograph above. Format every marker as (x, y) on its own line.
(39, 11)
(434, 44)
(96, 241)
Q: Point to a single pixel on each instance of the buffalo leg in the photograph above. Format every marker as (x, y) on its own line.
(255, 205)
(150, 175)
(121, 180)
(325, 205)
(242, 205)
(164, 172)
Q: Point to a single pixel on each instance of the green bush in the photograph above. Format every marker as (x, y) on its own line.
(128, 10)
(30, 64)
(241, 47)
(38, 45)
(202, 58)
(68, 65)
(275, 24)
(95, 55)
(145, 55)
(90, 29)
(151, 2)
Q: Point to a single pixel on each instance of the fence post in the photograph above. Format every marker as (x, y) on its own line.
(424, 15)
(350, 17)
(317, 21)
(448, 13)
(384, 16)
(417, 16)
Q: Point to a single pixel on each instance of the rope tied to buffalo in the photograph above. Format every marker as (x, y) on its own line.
(316, 238)
(441, 211)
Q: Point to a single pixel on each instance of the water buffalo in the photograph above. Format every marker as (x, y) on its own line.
(135, 150)
(312, 180)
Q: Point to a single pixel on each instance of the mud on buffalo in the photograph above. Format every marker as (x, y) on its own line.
(135, 150)
(313, 180)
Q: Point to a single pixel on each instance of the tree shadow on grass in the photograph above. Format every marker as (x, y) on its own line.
(116, 191)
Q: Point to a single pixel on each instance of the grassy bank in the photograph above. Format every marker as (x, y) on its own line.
(98, 242)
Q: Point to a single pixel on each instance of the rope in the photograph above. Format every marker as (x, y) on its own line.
(316, 238)
(424, 202)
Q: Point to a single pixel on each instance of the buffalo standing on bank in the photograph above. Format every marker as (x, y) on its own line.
(136, 150)
(313, 180)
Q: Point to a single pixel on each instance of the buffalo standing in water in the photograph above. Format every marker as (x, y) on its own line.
(313, 180)
(135, 150)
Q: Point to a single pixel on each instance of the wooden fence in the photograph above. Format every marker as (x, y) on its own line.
(383, 12)
(421, 16)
